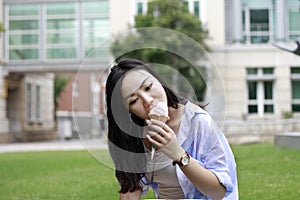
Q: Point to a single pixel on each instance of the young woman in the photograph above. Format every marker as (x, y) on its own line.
(192, 158)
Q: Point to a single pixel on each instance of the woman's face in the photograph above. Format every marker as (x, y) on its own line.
(141, 91)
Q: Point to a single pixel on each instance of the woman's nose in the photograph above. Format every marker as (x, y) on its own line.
(147, 99)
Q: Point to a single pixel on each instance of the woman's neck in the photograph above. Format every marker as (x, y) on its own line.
(175, 117)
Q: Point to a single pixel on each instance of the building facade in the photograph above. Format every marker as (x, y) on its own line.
(44, 40)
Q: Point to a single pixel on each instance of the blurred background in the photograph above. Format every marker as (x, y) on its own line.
(53, 72)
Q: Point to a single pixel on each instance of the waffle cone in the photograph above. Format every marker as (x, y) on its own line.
(159, 117)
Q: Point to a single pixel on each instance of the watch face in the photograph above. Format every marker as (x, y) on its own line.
(185, 160)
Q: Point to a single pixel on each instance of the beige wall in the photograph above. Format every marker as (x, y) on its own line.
(215, 16)
(45, 80)
(120, 14)
(232, 63)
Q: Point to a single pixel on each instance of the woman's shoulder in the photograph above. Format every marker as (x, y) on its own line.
(192, 109)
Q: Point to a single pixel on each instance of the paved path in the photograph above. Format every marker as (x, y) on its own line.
(53, 145)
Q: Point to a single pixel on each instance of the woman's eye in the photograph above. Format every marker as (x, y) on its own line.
(133, 101)
(149, 87)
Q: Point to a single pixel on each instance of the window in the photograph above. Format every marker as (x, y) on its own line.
(295, 81)
(23, 39)
(62, 31)
(260, 84)
(294, 16)
(141, 7)
(193, 6)
(256, 25)
(96, 29)
(196, 9)
(56, 30)
(33, 102)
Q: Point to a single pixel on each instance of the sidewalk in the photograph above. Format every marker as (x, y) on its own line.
(61, 145)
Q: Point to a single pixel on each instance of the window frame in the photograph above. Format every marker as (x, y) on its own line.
(247, 33)
(77, 46)
(294, 77)
(34, 112)
(260, 78)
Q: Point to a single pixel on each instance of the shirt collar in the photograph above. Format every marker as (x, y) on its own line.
(191, 110)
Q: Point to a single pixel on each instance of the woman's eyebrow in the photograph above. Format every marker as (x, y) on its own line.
(143, 82)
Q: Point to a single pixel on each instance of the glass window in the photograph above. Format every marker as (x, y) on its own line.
(295, 70)
(33, 102)
(61, 24)
(268, 90)
(61, 8)
(256, 21)
(260, 91)
(23, 39)
(259, 26)
(293, 17)
(296, 107)
(259, 20)
(61, 53)
(62, 38)
(29, 101)
(295, 84)
(251, 71)
(139, 8)
(97, 52)
(196, 8)
(252, 109)
(60, 30)
(96, 29)
(23, 54)
(95, 8)
(268, 71)
(23, 34)
(268, 108)
(37, 102)
(296, 89)
(23, 25)
(23, 9)
(252, 90)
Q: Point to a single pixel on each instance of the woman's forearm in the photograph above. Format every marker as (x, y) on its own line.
(136, 195)
(204, 180)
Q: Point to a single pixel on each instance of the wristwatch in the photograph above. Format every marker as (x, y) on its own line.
(184, 160)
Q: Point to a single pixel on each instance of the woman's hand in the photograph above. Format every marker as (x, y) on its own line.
(164, 138)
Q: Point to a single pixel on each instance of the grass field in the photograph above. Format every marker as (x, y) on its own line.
(264, 172)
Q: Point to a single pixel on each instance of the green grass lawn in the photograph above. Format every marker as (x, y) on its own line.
(264, 172)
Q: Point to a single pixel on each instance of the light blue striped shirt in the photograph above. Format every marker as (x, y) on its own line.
(204, 141)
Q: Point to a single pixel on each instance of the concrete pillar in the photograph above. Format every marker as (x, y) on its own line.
(280, 28)
(4, 123)
(237, 21)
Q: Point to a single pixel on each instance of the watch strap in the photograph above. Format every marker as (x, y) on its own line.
(180, 161)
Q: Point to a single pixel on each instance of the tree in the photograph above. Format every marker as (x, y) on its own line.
(60, 82)
(167, 47)
(2, 29)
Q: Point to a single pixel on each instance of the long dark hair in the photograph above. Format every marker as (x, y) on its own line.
(125, 130)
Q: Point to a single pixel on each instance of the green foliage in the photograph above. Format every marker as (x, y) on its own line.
(287, 114)
(60, 82)
(167, 47)
(2, 29)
